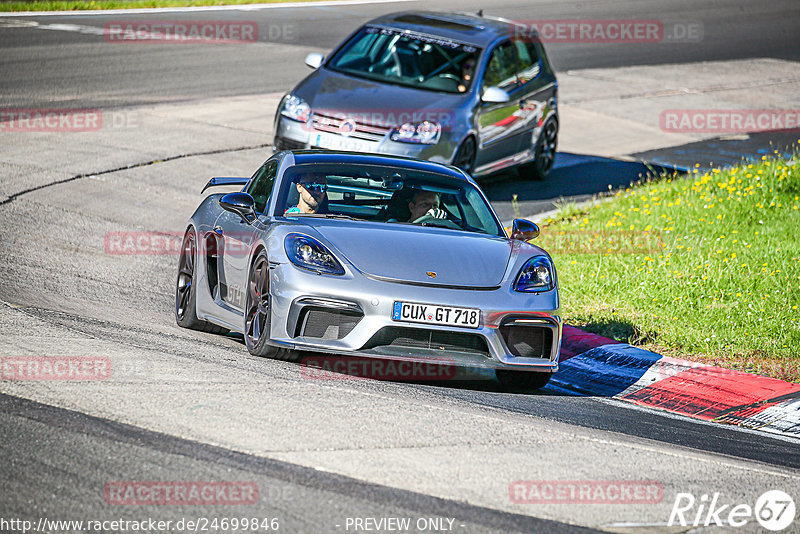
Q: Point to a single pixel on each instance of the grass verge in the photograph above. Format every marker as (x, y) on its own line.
(704, 267)
(80, 5)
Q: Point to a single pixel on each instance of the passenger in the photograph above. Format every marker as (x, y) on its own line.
(313, 195)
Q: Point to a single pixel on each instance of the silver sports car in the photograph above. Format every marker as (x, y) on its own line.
(370, 256)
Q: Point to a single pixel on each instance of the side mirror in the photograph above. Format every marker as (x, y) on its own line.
(524, 230)
(241, 204)
(495, 95)
(314, 60)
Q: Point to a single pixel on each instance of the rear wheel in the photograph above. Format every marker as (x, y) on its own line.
(465, 156)
(522, 380)
(544, 154)
(258, 313)
(186, 289)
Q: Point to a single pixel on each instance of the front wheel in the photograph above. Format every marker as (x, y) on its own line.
(465, 156)
(544, 154)
(258, 313)
(522, 380)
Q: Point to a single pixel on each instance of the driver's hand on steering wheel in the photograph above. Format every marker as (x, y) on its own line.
(433, 213)
(436, 213)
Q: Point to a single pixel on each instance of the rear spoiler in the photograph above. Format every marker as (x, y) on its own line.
(224, 180)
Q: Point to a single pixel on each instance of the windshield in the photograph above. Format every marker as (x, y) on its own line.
(385, 194)
(407, 58)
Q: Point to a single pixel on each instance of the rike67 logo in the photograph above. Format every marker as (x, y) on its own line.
(774, 510)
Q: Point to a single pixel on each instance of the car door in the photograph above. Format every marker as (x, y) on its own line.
(496, 121)
(236, 237)
(534, 94)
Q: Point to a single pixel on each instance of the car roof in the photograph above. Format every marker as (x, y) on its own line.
(332, 156)
(465, 28)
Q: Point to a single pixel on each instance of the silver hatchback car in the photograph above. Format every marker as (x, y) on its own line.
(461, 89)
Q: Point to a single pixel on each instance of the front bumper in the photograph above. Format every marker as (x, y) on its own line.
(293, 135)
(352, 315)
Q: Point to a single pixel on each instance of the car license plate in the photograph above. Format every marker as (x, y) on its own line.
(411, 312)
(339, 142)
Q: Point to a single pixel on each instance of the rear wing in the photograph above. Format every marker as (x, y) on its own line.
(224, 180)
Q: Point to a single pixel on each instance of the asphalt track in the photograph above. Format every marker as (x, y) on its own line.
(189, 406)
(76, 69)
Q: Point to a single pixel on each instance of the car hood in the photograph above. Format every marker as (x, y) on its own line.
(408, 253)
(380, 104)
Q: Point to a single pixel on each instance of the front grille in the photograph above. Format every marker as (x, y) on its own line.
(436, 340)
(528, 341)
(282, 143)
(362, 130)
(327, 324)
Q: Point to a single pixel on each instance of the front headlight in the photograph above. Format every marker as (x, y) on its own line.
(295, 108)
(424, 133)
(536, 275)
(308, 253)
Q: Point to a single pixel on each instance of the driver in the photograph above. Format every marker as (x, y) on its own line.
(313, 189)
(424, 204)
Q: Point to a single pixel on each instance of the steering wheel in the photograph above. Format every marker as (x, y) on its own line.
(430, 220)
(449, 76)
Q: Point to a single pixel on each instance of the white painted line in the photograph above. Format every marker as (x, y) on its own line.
(240, 7)
(89, 30)
(118, 35)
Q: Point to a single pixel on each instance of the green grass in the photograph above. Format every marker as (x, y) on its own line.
(704, 267)
(80, 5)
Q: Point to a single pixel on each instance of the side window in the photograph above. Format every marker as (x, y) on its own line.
(501, 71)
(261, 185)
(528, 60)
